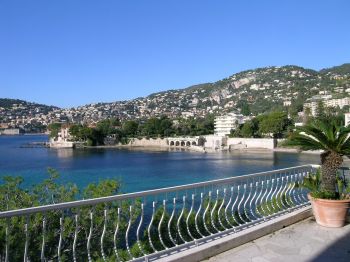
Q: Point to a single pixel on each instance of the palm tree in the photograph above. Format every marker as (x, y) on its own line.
(331, 137)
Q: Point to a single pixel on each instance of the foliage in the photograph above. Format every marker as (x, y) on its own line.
(157, 127)
(130, 128)
(330, 136)
(244, 106)
(312, 182)
(274, 205)
(54, 129)
(108, 126)
(322, 134)
(195, 126)
(276, 124)
(13, 196)
(92, 136)
(342, 69)
(250, 128)
(153, 127)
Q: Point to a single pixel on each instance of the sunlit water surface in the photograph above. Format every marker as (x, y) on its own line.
(136, 169)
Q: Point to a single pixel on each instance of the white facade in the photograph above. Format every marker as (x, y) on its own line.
(224, 124)
(347, 119)
(341, 102)
(287, 103)
(62, 140)
(338, 102)
(63, 135)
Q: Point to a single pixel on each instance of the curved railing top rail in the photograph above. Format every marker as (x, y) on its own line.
(101, 200)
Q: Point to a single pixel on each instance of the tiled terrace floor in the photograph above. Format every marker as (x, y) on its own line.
(304, 241)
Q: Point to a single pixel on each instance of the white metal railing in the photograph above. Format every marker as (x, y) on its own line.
(147, 225)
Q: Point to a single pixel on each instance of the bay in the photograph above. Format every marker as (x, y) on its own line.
(136, 169)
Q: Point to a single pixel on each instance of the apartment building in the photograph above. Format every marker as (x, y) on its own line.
(224, 124)
(312, 104)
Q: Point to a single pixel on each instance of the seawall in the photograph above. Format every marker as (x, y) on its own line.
(245, 143)
(151, 142)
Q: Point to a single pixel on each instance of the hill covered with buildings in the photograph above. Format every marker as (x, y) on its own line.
(250, 92)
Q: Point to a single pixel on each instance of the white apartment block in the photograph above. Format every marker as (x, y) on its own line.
(224, 124)
(337, 102)
(341, 102)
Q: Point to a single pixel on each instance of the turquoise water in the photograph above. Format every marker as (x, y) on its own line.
(137, 170)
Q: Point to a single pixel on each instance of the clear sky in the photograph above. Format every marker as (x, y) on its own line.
(71, 52)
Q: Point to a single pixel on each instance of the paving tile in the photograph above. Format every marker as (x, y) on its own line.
(302, 242)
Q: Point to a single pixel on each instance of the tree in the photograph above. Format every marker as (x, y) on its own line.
(166, 126)
(195, 126)
(307, 114)
(236, 132)
(74, 130)
(275, 123)
(151, 127)
(54, 128)
(320, 110)
(330, 136)
(92, 136)
(250, 128)
(201, 141)
(244, 106)
(50, 191)
(130, 128)
(107, 126)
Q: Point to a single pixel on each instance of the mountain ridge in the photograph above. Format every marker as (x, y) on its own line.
(252, 91)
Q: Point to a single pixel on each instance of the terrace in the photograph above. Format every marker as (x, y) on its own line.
(189, 222)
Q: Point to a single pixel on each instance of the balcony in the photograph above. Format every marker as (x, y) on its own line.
(163, 224)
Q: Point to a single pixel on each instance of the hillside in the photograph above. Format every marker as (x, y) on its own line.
(337, 70)
(251, 92)
(255, 91)
(13, 110)
(8, 103)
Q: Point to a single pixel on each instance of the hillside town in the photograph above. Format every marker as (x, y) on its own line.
(292, 89)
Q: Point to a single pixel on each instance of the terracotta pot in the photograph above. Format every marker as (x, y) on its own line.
(330, 213)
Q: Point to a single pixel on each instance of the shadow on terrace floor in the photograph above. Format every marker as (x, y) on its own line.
(337, 251)
(305, 241)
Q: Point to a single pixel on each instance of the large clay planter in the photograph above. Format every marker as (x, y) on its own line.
(330, 213)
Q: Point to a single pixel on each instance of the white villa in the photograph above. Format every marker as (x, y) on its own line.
(63, 139)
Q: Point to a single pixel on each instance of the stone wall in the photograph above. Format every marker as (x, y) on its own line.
(61, 144)
(152, 142)
(10, 131)
(241, 143)
(214, 142)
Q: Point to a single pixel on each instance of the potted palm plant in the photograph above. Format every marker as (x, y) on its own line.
(329, 197)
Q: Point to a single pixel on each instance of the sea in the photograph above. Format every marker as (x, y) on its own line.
(136, 169)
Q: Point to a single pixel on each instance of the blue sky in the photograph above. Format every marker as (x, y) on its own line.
(69, 53)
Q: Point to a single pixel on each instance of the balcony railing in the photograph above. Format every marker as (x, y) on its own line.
(147, 225)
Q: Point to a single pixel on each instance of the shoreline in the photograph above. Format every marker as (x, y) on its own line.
(294, 150)
(201, 149)
(26, 134)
